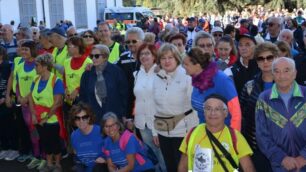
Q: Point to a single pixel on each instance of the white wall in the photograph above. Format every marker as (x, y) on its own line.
(91, 13)
(111, 3)
(9, 11)
(69, 10)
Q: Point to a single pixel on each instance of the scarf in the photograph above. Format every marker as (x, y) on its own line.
(204, 80)
(100, 86)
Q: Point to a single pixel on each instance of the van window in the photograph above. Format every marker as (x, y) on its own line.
(122, 16)
(139, 16)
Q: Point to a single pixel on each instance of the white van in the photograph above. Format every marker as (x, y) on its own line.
(129, 15)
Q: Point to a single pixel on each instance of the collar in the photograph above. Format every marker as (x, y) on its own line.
(151, 69)
(241, 61)
(297, 92)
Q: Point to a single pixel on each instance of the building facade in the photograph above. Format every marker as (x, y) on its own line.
(82, 13)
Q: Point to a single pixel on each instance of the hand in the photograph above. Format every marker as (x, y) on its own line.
(100, 160)
(289, 163)
(301, 162)
(23, 100)
(8, 101)
(88, 67)
(73, 95)
(44, 120)
(156, 140)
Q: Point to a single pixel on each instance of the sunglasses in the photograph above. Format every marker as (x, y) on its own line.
(270, 24)
(87, 36)
(83, 118)
(269, 58)
(219, 35)
(34, 33)
(73, 35)
(96, 56)
(131, 41)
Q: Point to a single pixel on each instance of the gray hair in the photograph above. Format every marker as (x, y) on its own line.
(290, 61)
(135, 30)
(202, 34)
(9, 27)
(285, 31)
(70, 28)
(113, 116)
(276, 20)
(223, 104)
(102, 48)
(45, 60)
(27, 32)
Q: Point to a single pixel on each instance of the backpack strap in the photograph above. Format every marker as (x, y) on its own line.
(189, 134)
(234, 139)
(124, 139)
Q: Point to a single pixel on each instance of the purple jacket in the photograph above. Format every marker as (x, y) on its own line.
(281, 132)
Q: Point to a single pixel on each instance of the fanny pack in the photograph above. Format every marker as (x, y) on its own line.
(169, 123)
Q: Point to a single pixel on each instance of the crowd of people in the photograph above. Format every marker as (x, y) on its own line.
(185, 95)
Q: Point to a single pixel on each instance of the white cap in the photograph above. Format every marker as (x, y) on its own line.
(217, 29)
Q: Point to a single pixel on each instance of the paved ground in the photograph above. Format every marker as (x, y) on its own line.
(15, 166)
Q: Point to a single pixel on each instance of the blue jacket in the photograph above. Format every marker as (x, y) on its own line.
(116, 84)
(280, 132)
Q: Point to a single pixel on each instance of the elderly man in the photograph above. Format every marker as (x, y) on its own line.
(274, 26)
(246, 67)
(71, 31)
(9, 42)
(280, 124)
(200, 145)
(58, 38)
(133, 38)
(287, 36)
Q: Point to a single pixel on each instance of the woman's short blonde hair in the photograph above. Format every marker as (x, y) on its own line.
(167, 47)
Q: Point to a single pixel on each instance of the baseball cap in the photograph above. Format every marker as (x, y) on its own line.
(247, 36)
(58, 30)
(217, 29)
(190, 19)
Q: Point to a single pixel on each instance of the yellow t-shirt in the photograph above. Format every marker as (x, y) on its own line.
(200, 138)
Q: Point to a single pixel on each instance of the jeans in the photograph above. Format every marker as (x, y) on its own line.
(147, 138)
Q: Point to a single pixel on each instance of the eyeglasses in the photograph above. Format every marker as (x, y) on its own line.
(87, 36)
(96, 56)
(131, 42)
(269, 58)
(147, 53)
(110, 126)
(216, 34)
(83, 118)
(205, 45)
(71, 35)
(216, 110)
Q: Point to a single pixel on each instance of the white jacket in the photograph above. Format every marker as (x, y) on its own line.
(172, 96)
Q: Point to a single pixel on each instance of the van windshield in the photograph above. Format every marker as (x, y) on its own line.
(122, 16)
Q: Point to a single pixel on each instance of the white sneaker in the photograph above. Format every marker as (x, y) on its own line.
(13, 155)
(3, 154)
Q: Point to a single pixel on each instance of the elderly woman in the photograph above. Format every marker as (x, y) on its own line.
(104, 86)
(124, 152)
(264, 54)
(287, 36)
(207, 79)
(172, 97)
(205, 147)
(144, 104)
(45, 100)
(206, 42)
(86, 140)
